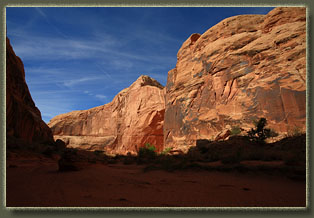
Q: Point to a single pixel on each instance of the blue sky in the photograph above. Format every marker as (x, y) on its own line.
(78, 58)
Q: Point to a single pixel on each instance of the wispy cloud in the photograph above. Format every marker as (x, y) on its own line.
(44, 15)
(101, 97)
(72, 82)
(43, 48)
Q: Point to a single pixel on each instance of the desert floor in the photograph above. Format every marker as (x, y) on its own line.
(34, 181)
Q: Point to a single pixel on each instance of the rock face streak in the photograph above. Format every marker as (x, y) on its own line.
(243, 68)
(134, 117)
(23, 119)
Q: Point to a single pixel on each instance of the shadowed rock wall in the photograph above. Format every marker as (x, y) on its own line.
(23, 119)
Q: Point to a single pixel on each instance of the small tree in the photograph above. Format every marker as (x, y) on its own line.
(260, 133)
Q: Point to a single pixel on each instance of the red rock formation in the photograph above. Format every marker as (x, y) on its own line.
(134, 117)
(241, 69)
(23, 119)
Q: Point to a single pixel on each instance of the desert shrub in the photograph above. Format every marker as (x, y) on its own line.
(150, 147)
(166, 151)
(148, 152)
(259, 133)
(235, 130)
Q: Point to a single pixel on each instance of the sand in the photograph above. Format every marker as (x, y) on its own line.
(34, 181)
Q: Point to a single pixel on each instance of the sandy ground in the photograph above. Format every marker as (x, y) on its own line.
(35, 182)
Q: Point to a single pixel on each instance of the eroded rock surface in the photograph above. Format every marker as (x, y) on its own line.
(241, 69)
(23, 119)
(133, 118)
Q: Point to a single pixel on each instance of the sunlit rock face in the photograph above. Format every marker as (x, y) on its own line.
(133, 118)
(241, 69)
(23, 119)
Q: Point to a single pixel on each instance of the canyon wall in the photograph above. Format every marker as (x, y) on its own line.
(244, 68)
(133, 118)
(241, 69)
(24, 124)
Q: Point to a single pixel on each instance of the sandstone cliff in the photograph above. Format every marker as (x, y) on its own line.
(134, 117)
(23, 119)
(241, 69)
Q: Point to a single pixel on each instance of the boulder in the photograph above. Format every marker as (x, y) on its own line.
(60, 145)
(223, 135)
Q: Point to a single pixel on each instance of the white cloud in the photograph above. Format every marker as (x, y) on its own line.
(122, 64)
(72, 82)
(102, 97)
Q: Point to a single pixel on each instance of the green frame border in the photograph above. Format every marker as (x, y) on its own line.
(194, 211)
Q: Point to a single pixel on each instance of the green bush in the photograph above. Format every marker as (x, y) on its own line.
(150, 147)
(147, 152)
(235, 130)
